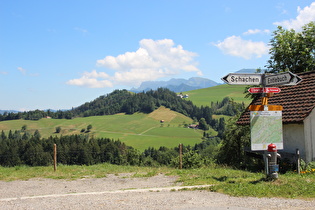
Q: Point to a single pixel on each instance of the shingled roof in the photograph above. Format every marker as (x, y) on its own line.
(298, 100)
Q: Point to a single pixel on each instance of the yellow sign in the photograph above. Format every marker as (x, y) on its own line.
(265, 108)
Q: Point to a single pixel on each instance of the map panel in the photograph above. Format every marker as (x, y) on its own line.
(266, 128)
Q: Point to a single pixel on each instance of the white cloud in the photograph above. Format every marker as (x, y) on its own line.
(22, 70)
(81, 30)
(154, 59)
(304, 16)
(34, 75)
(247, 49)
(25, 72)
(135, 75)
(92, 79)
(256, 31)
(3, 72)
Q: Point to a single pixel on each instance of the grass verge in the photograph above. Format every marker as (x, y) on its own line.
(72, 172)
(223, 180)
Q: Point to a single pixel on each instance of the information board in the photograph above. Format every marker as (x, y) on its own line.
(266, 128)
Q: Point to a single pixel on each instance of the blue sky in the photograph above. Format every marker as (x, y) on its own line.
(59, 54)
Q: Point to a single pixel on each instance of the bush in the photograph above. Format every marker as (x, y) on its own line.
(58, 129)
(191, 159)
(307, 167)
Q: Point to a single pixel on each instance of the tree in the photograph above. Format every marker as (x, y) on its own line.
(3, 136)
(203, 124)
(58, 129)
(37, 134)
(88, 128)
(235, 139)
(24, 128)
(292, 51)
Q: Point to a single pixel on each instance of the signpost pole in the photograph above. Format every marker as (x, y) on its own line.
(265, 156)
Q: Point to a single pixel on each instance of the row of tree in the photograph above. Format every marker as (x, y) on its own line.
(20, 149)
(16, 150)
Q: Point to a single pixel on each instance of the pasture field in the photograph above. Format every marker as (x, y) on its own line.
(138, 130)
(213, 94)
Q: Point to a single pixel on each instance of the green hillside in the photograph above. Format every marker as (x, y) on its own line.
(138, 130)
(217, 93)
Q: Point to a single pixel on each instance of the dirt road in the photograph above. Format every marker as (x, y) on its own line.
(122, 192)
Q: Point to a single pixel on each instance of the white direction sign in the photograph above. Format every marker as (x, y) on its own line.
(286, 78)
(243, 79)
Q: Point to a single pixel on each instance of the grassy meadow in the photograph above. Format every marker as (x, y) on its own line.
(138, 130)
(213, 94)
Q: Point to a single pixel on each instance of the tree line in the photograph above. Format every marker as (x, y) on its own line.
(21, 148)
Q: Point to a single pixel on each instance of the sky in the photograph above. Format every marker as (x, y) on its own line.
(59, 54)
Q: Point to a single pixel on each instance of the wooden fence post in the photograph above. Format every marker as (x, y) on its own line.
(180, 156)
(298, 161)
(55, 157)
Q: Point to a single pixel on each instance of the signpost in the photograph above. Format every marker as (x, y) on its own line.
(286, 78)
(265, 120)
(243, 79)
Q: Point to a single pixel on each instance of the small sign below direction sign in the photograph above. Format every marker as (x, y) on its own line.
(256, 90)
(243, 79)
(286, 78)
(264, 90)
(272, 90)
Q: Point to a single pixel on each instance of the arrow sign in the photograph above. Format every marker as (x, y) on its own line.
(272, 90)
(296, 80)
(256, 90)
(243, 79)
(286, 78)
(264, 90)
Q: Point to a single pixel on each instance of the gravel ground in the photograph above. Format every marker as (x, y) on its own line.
(123, 192)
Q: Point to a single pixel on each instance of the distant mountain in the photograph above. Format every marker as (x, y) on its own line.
(8, 111)
(176, 85)
(249, 71)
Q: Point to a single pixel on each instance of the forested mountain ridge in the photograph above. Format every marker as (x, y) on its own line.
(123, 101)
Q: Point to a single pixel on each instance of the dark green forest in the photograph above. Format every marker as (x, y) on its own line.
(16, 148)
